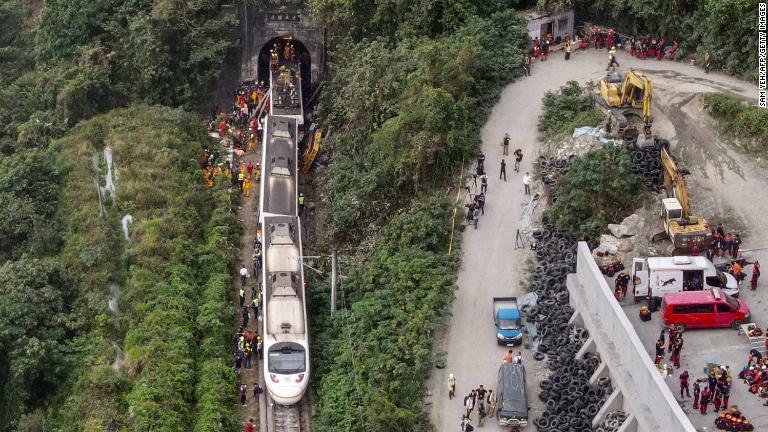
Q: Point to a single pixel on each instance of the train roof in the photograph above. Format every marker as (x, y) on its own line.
(279, 167)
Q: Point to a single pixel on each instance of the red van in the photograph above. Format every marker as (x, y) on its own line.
(703, 309)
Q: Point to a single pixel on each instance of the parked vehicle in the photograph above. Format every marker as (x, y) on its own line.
(703, 309)
(506, 317)
(512, 396)
(675, 274)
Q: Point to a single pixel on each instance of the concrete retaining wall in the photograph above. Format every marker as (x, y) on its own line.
(645, 394)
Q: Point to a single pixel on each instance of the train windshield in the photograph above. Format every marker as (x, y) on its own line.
(287, 358)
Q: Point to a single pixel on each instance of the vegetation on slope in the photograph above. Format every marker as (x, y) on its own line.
(599, 188)
(738, 119)
(59, 255)
(406, 105)
(566, 109)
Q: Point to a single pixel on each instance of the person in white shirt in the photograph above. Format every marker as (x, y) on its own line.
(518, 358)
(243, 275)
(527, 183)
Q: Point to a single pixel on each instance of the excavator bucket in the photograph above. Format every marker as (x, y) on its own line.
(660, 237)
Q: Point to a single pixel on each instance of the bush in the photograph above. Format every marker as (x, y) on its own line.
(566, 109)
(598, 189)
(738, 119)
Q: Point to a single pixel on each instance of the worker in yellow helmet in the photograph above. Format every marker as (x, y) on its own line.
(241, 180)
(247, 187)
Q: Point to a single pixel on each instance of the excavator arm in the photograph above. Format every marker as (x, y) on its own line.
(674, 182)
(636, 92)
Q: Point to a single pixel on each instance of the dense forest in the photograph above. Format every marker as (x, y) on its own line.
(72, 168)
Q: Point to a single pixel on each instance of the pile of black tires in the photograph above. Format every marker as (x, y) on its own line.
(571, 402)
(613, 421)
(646, 163)
(552, 170)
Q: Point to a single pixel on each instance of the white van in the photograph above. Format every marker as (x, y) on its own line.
(681, 273)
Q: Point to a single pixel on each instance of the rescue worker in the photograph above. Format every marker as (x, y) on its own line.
(706, 62)
(725, 391)
(684, 388)
(243, 275)
(260, 346)
(716, 399)
(755, 276)
(737, 271)
(705, 395)
(735, 243)
(672, 337)
(243, 394)
(676, 352)
(242, 296)
(544, 50)
(451, 386)
(518, 159)
(247, 187)
(301, 204)
(492, 401)
(696, 392)
(240, 180)
(527, 65)
(612, 58)
(568, 50)
(659, 352)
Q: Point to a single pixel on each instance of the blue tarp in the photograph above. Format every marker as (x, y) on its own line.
(595, 132)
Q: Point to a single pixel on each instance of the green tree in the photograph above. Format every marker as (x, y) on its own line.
(32, 304)
(598, 189)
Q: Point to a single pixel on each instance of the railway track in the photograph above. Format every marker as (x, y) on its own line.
(288, 418)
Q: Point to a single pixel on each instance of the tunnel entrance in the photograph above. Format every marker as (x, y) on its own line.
(289, 49)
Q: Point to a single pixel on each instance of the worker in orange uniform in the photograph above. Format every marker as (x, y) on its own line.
(247, 187)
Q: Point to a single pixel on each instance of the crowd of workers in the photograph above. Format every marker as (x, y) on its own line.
(643, 47)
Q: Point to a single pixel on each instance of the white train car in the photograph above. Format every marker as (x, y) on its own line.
(284, 324)
(286, 341)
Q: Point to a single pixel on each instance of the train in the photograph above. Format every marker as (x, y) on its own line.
(284, 324)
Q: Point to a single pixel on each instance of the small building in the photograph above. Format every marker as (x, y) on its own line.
(542, 23)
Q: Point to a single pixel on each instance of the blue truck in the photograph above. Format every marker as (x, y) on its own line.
(506, 317)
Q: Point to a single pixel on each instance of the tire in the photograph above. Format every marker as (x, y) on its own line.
(735, 325)
(680, 328)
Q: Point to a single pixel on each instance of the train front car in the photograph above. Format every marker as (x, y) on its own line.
(286, 342)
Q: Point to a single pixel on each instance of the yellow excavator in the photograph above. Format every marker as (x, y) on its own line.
(627, 101)
(683, 229)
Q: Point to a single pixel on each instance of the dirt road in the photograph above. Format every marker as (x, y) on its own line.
(490, 264)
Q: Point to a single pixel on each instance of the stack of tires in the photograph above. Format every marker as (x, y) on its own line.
(646, 163)
(571, 402)
(552, 169)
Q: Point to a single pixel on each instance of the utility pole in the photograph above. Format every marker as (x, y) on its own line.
(333, 280)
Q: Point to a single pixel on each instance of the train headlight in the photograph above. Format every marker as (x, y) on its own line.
(274, 379)
(300, 378)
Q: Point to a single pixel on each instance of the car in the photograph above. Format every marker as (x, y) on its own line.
(703, 309)
(511, 396)
(506, 318)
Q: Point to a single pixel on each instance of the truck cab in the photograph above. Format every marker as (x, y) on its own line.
(508, 322)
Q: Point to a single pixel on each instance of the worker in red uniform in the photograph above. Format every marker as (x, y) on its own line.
(755, 277)
(684, 388)
(705, 395)
(696, 392)
(223, 127)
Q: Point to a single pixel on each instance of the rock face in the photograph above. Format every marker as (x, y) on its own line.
(619, 231)
(634, 223)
